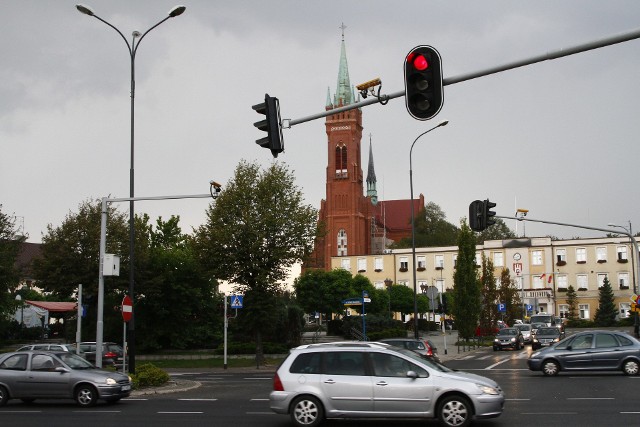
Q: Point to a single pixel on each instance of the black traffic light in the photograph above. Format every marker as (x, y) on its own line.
(424, 93)
(488, 213)
(481, 215)
(271, 124)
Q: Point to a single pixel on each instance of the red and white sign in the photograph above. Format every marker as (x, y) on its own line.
(517, 268)
(127, 308)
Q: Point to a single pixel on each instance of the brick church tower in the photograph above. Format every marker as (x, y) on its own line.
(354, 223)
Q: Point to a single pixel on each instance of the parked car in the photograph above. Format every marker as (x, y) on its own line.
(508, 338)
(71, 348)
(112, 353)
(546, 336)
(34, 374)
(422, 347)
(373, 380)
(535, 326)
(589, 351)
(525, 330)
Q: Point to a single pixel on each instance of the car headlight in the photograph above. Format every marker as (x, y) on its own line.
(111, 381)
(513, 340)
(535, 340)
(487, 389)
(496, 340)
(130, 379)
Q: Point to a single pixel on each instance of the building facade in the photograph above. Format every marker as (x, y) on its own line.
(542, 269)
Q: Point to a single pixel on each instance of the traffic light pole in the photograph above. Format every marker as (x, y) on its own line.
(636, 285)
(560, 53)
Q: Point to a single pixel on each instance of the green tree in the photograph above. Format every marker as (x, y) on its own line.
(606, 312)
(498, 231)
(323, 291)
(572, 302)
(257, 229)
(510, 295)
(9, 276)
(432, 229)
(70, 255)
(489, 293)
(466, 291)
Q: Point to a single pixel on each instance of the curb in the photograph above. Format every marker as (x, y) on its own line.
(171, 387)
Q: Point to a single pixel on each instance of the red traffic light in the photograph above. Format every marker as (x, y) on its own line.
(419, 62)
(423, 82)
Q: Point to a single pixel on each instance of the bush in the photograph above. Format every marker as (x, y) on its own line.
(149, 375)
(250, 348)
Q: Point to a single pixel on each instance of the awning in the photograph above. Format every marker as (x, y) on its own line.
(54, 306)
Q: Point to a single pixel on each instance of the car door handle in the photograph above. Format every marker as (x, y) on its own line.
(382, 383)
(329, 382)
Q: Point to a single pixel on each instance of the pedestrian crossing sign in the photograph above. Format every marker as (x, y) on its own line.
(236, 301)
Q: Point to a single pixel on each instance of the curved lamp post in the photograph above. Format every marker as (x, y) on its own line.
(133, 49)
(413, 230)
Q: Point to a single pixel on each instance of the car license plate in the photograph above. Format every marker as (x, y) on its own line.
(125, 388)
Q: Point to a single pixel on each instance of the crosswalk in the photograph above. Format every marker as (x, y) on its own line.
(496, 355)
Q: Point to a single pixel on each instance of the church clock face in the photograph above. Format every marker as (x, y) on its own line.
(517, 256)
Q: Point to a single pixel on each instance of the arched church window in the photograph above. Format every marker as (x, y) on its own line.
(341, 161)
(342, 242)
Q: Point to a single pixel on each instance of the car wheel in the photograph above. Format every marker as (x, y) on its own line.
(550, 368)
(631, 367)
(4, 396)
(86, 395)
(306, 411)
(455, 411)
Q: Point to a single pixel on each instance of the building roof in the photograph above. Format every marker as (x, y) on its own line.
(54, 306)
(396, 214)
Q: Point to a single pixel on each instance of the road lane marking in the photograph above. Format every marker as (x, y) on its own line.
(196, 399)
(180, 412)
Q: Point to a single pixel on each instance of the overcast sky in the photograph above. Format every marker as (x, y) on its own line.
(559, 138)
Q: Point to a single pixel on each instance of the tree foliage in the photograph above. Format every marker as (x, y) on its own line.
(572, 302)
(606, 312)
(9, 276)
(489, 315)
(255, 231)
(432, 229)
(510, 295)
(498, 231)
(466, 291)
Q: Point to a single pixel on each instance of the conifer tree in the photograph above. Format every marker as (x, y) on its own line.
(606, 312)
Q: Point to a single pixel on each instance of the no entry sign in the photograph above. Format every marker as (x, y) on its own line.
(127, 308)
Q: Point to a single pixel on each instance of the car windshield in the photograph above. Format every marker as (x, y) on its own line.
(524, 327)
(74, 361)
(548, 331)
(508, 331)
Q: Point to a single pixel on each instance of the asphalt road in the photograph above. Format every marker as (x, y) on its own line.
(238, 398)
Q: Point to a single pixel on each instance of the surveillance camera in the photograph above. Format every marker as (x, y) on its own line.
(215, 184)
(370, 83)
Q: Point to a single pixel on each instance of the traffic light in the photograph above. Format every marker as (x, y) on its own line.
(424, 94)
(481, 215)
(271, 124)
(488, 213)
(476, 215)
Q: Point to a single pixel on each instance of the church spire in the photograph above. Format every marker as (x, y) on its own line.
(372, 192)
(344, 91)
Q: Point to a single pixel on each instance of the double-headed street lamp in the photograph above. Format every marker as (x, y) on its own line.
(413, 230)
(133, 49)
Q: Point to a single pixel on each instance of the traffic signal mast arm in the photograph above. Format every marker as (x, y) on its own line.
(607, 41)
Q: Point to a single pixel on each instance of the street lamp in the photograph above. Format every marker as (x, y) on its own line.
(133, 49)
(413, 230)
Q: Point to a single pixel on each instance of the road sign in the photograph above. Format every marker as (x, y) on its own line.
(237, 301)
(502, 308)
(529, 307)
(127, 308)
(355, 301)
(517, 268)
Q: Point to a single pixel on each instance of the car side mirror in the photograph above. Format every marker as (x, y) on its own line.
(569, 347)
(412, 374)
(61, 369)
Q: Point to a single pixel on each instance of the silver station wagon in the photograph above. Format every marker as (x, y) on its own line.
(375, 380)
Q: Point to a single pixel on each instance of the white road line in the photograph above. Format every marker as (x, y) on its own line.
(200, 399)
(261, 400)
(180, 412)
(589, 398)
(259, 378)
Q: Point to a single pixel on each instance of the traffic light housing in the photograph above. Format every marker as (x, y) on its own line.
(271, 124)
(424, 93)
(480, 214)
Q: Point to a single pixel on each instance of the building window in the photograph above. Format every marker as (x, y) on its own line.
(341, 161)
(440, 286)
(439, 262)
(455, 260)
(584, 311)
(561, 256)
(404, 263)
(342, 242)
(622, 253)
(538, 282)
(601, 277)
(498, 259)
(536, 258)
(581, 255)
(583, 282)
(478, 260)
(403, 282)
(422, 286)
(623, 280)
(601, 254)
(422, 263)
(378, 264)
(561, 282)
(345, 264)
(362, 265)
(564, 310)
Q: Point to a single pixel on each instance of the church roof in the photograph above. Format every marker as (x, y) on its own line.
(395, 215)
(344, 92)
(371, 171)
